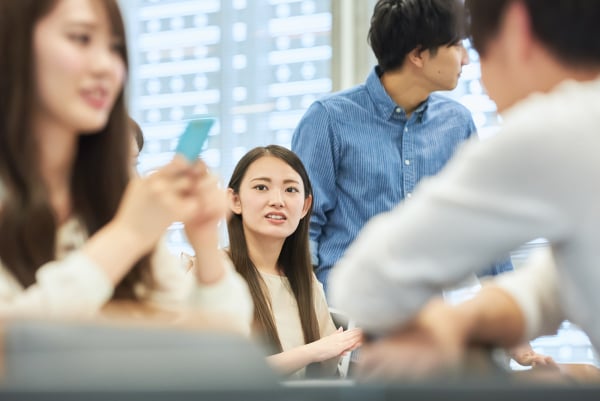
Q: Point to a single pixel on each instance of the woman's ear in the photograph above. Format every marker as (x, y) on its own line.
(307, 205)
(234, 201)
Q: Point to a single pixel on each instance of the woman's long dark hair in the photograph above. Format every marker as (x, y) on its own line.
(294, 258)
(101, 170)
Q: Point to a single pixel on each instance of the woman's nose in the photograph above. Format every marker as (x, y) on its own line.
(276, 199)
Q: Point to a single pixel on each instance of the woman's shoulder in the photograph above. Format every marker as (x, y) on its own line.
(316, 283)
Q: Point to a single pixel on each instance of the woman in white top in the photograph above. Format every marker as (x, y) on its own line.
(271, 200)
(75, 229)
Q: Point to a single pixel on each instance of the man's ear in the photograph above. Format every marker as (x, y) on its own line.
(234, 201)
(416, 57)
(516, 29)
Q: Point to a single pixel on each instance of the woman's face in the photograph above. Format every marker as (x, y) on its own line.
(79, 71)
(271, 199)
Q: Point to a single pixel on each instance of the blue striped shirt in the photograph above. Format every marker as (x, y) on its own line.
(364, 156)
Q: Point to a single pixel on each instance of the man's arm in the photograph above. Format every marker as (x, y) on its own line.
(437, 339)
(313, 141)
(471, 214)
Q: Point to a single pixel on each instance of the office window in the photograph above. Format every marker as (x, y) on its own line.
(254, 65)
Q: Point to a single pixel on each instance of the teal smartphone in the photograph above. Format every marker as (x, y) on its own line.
(193, 138)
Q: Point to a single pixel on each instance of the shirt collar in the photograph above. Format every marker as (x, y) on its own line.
(384, 103)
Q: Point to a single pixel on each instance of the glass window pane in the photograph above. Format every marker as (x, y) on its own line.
(254, 65)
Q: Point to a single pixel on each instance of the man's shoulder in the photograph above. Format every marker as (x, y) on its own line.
(353, 95)
(555, 116)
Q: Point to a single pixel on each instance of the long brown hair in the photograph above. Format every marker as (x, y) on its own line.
(101, 170)
(294, 258)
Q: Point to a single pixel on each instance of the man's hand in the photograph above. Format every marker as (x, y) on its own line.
(433, 344)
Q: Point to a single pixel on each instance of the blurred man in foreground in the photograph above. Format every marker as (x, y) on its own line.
(540, 62)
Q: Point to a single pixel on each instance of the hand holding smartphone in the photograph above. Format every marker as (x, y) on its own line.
(193, 138)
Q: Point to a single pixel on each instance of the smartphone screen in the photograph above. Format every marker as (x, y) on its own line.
(193, 138)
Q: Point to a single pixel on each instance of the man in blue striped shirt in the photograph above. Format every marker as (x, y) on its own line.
(366, 148)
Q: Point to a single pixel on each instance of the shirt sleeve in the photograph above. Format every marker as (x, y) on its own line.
(74, 287)
(229, 296)
(457, 223)
(535, 289)
(472, 127)
(314, 143)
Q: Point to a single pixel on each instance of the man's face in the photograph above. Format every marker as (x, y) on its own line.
(507, 72)
(493, 74)
(442, 69)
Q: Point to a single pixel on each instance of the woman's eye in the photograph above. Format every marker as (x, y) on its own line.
(81, 38)
(261, 187)
(292, 189)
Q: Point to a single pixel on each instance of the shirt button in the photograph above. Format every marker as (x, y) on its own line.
(407, 162)
(409, 195)
(405, 129)
(398, 110)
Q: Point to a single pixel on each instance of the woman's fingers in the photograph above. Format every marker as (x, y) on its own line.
(348, 340)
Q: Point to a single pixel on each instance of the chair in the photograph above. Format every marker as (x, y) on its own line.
(340, 319)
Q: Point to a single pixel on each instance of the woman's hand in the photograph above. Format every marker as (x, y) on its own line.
(152, 203)
(202, 227)
(211, 200)
(149, 205)
(335, 345)
(331, 346)
(524, 355)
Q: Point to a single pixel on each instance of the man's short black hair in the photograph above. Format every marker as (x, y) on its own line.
(570, 29)
(400, 26)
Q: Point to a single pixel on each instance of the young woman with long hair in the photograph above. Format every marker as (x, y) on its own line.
(76, 229)
(271, 200)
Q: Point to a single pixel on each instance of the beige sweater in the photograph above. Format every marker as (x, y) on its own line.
(73, 286)
(287, 319)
